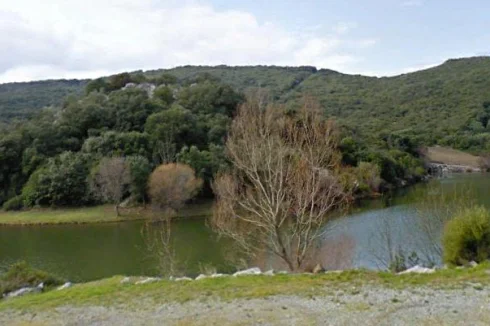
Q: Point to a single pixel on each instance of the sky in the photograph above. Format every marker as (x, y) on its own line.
(92, 38)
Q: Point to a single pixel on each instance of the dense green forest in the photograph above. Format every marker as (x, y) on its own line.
(49, 156)
(22, 100)
(447, 105)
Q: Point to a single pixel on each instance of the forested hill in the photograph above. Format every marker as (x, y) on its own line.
(183, 114)
(448, 104)
(21, 100)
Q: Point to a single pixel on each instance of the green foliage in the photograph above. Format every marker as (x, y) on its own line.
(21, 275)
(164, 94)
(166, 79)
(368, 177)
(209, 97)
(114, 143)
(118, 81)
(384, 121)
(14, 204)
(140, 169)
(176, 125)
(206, 163)
(23, 100)
(130, 107)
(466, 237)
(96, 85)
(62, 181)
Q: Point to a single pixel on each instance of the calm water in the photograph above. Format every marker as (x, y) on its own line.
(87, 252)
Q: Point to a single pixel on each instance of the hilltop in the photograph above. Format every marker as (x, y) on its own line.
(447, 105)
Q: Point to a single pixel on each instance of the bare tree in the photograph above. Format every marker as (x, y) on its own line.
(283, 182)
(111, 179)
(165, 150)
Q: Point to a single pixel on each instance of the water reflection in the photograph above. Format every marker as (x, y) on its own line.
(365, 238)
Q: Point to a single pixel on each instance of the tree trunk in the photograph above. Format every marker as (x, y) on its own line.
(116, 208)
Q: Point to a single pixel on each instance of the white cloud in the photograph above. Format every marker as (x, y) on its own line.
(67, 39)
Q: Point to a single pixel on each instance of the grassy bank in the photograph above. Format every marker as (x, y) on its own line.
(97, 214)
(451, 156)
(110, 292)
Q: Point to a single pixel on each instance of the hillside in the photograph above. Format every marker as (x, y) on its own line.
(21, 100)
(447, 105)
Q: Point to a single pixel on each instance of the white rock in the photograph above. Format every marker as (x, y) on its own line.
(201, 277)
(148, 280)
(22, 291)
(250, 271)
(418, 270)
(125, 280)
(473, 264)
(178, 279)
(217, 275)
(65, 286)
(269, 272)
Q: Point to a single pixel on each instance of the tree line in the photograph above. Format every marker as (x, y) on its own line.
(132, 124)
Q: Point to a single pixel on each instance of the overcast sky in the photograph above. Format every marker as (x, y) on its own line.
(90, 38)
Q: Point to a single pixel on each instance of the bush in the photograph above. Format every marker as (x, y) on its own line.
(22, 275)
(467, 237)
(14, 204)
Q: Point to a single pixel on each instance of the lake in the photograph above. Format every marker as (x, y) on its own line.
(94, 251)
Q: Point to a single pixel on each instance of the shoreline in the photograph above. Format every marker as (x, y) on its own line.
(93, 215)
(105, 213)
(333, 296)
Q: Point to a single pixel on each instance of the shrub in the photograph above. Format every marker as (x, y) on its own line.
(22, 275)
(368, 176)
(171, 185)
(14, 204)
(467, 237)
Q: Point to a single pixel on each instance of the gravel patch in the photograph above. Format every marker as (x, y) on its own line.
(367, 305)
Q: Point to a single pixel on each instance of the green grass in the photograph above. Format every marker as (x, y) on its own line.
(112, 292)
(95, 214)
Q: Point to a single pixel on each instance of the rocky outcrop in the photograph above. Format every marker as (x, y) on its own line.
(147, 87)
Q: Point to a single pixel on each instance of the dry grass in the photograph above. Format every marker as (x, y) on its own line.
(451, 156)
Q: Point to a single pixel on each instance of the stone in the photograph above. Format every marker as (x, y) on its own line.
(318, 269)
(250, 271)
(65, 286)
(269, 272)
(148, 280)
(23, 291)
(473, 264)
(217, 275)
(201, 277)
(179, 279)
(418, 270)
(125, 280)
